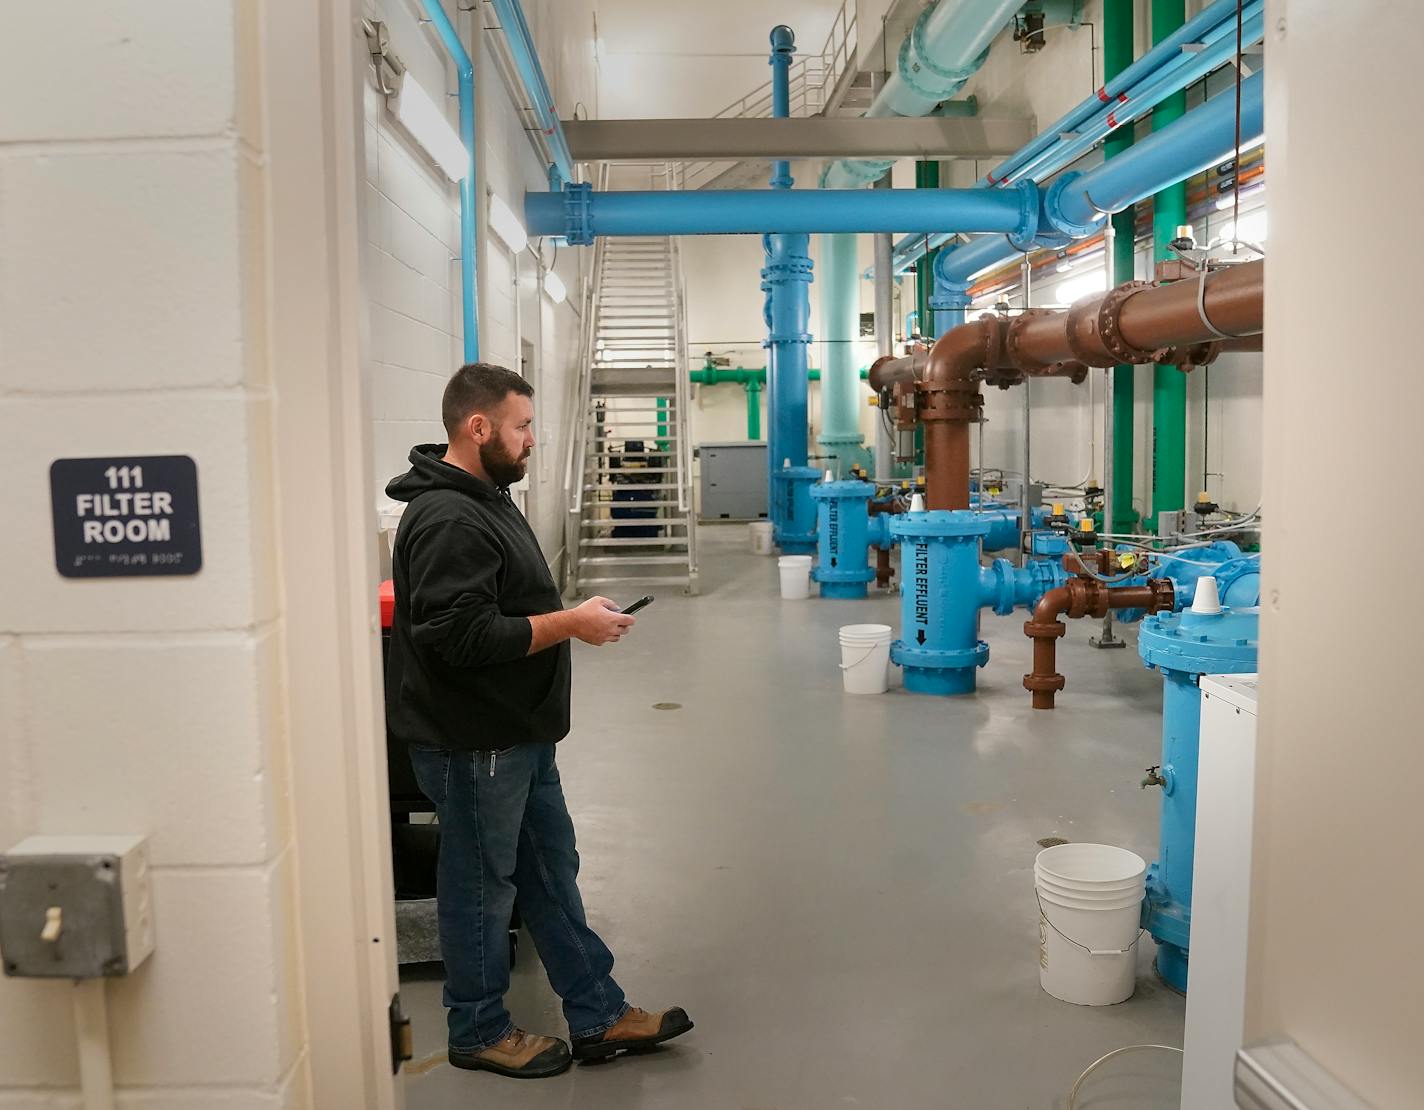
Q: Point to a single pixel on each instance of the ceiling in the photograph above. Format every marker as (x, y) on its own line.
(673, 59)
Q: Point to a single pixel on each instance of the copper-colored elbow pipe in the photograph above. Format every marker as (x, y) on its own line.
(1081, 597)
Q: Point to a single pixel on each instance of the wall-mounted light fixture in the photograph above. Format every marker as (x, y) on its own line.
(506, 224)
(415, 109)
(554, 286)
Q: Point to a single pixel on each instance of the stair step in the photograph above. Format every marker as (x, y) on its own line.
(671, 580)
(593, 488)
(635, 541)
(649, 521)
(643, 470)
(615, 560)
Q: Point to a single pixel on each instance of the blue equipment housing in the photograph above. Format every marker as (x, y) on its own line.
(793, 513)
(1238, 576)
(944, 589)
(1185, 646)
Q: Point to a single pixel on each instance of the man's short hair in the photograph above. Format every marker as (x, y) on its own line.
(478, 387)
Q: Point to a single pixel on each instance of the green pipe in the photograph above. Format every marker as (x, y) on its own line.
(838, 275)
(926, 177)
(1117, 56)
(1169, 385)
(753, 391)
(662, 424)
(753, 381)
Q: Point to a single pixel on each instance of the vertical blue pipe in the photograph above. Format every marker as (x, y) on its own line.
(465, 70)
(786, 280)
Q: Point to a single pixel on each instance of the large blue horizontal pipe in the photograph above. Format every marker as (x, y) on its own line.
(1164, 157)
(1171, 71)
(1214, 23)
(1200, 139)
(1150, 94)
(536, 88)
(766, 211)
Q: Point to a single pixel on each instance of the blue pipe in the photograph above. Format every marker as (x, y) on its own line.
(465, 71)
(1168, 83)
(531, 76)
(1136, 90)
(945, 47)
(1076, 203)
(1165, 69)
(580, 214)
(843, 527)
(1164, 157)
(944, 589)
(786, 281)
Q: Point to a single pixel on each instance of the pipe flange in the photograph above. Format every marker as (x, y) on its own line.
(1024, 237)
(1044, 683)
(578, 213)
(1047, 630)
(1164, 595)
(953, 400)
(1109, 334)
(931, 659)
(1189, 358)
(917, 66)
(1053, 210)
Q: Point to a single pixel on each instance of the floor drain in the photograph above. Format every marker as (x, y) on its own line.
(667, 705)
(1051, 842)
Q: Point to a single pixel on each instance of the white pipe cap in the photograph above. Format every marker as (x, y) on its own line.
(1207, 598)
(917, 503)
(829, 477)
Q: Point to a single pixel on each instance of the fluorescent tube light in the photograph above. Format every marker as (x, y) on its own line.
(506, 224)
(554, 286)
(425, 120)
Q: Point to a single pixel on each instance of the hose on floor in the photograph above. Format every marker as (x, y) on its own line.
(1078, 1083)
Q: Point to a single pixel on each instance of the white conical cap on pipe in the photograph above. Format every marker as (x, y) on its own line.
(917, 503)
(1207, 598)
(829, 477)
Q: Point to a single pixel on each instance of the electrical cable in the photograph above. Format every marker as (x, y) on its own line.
(1077, 1085)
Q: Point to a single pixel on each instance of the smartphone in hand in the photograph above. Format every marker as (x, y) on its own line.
(645, 600)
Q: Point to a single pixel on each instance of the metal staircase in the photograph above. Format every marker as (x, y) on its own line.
(629, 474)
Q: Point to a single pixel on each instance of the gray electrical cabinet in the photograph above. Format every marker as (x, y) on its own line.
(734, 481)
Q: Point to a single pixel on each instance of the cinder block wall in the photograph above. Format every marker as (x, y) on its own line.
(132, 314)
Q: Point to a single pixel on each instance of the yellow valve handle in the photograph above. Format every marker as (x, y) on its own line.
(54, 924)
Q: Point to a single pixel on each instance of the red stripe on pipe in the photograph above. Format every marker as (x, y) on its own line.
(1122, 98)
(991, 179)
(1112, 119)
(1103, 95)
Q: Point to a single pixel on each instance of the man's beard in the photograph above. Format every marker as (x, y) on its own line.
(503, 468)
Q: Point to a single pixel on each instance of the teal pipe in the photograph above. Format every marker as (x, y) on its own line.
(840, 320)
(469, 278)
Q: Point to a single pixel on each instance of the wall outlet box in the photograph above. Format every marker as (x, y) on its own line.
(75, 907)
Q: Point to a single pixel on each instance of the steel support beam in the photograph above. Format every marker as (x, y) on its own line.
(643, 140)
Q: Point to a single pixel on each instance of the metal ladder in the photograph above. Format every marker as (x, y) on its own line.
(629, 476)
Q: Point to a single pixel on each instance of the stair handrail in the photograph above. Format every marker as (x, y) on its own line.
(573, 472)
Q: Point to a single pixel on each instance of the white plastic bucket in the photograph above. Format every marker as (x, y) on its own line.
(795, 577)
(1089, 906)
(760, 532)
(865, 658)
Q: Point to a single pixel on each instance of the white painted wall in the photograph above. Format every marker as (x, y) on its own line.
(1335, 854)
(411, 269)
(133, 290)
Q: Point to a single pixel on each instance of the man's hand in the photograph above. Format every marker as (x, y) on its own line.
(599, 621)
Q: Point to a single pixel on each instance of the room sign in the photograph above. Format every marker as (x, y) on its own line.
(120, 517)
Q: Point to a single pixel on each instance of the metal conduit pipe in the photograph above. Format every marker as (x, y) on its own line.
(1081, 597)
(1178, 323)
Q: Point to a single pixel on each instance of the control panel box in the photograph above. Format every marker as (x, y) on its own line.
(734, 481)
(75, 907)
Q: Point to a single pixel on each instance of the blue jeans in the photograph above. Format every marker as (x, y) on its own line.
(505, 831)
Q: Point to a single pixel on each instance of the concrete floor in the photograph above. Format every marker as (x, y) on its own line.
(838, 889)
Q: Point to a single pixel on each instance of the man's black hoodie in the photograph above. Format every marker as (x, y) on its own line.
(468, 571)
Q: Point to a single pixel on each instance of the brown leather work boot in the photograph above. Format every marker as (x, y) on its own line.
(636, 1031)
(520, 1055)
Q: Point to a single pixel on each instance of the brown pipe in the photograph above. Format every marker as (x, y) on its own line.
(1081, 597)
(1133, 323)
(883, 570)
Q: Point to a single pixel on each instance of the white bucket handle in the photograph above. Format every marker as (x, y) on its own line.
(868, 652)
(1090, 951)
